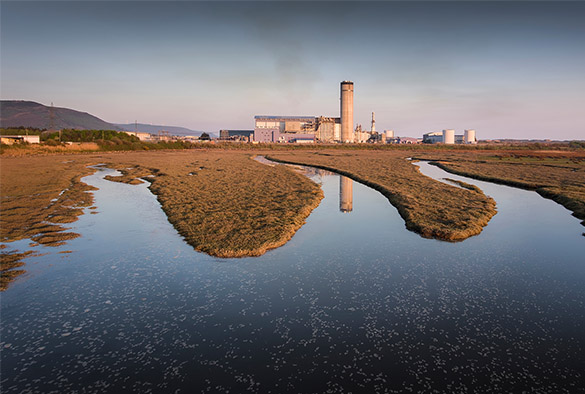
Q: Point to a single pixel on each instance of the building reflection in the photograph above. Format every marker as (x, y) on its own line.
(345, 194)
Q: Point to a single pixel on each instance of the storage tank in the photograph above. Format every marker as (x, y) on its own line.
(389, 134)
(469, 137)
(448, 136)
(346, 111)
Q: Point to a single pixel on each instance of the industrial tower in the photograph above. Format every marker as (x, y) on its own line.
(347, 111)
(373, 129)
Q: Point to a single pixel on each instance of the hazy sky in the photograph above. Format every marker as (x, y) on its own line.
(507, 69)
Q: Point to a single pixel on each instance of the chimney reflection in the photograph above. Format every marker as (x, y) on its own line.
(345, 194)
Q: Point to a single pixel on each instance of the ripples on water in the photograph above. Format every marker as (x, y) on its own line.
(354, 302)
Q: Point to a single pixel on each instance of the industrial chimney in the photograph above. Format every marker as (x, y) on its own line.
(347, 111)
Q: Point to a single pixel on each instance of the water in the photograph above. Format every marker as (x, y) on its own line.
(353, 303)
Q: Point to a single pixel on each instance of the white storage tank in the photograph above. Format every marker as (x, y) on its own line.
(469, 137)
(389, 134)
(448, 136)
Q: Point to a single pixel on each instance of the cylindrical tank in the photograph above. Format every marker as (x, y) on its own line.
(346, 111)
(345, 194)
(448, 136)
(469, 137)
(389, 134)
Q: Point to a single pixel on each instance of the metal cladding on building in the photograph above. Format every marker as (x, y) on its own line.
(305, 129)
(346, 111)
(449, 136)
(345, 194)
(469, 137)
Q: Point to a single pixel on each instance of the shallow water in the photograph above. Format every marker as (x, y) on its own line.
(354, 302)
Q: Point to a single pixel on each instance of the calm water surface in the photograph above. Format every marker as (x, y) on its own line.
(353, 303)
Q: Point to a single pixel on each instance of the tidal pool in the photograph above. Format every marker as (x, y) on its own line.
(353, 303)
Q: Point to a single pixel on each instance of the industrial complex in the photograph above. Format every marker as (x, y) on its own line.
(448, 137)
(309, 129)
(318, 129)
(329, 129)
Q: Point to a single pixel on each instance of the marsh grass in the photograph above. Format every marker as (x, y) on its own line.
(464, 185)
(557, 175)
(8, 262)
(428, 207)
(39, 195)
(224, 203)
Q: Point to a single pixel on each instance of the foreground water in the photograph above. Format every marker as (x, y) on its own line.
(353, 303)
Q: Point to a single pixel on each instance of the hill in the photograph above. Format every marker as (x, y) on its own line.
(16, 113)
(30, 114)
(153, 129)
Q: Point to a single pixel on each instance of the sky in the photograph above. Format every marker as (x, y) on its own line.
(507, 69)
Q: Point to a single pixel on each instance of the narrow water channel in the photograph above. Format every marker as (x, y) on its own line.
(354, 302)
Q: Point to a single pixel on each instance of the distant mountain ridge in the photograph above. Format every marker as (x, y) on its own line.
(17, 113)
(31, 114)
(153, 129)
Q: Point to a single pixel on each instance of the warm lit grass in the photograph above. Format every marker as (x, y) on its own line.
(39, 194)
(8, 262)
(430, 208)
(224, 203)
(18, 150)
(558, 175)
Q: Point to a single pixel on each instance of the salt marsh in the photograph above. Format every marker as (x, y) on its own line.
(353, 303)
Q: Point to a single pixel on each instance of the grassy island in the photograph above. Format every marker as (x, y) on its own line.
(224, 203)
(558, 175)
(431, 208)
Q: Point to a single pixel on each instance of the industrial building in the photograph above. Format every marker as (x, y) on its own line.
(145, 137)
(236, 135)
(307, 129)
(284, 128)
(448, 137)
(15, 139)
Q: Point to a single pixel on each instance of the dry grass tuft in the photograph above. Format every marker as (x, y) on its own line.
(8, 262)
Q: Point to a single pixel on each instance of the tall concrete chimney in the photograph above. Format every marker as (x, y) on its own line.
(346, 111)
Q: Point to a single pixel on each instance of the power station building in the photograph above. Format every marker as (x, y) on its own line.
(284, 128)
(306, 129)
